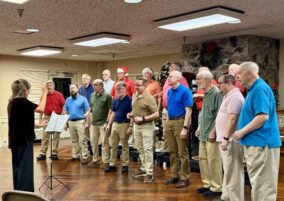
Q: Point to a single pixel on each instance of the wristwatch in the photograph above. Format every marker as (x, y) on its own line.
(185, 127)
(225, 138)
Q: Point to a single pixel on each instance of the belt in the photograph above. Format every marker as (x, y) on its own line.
(176, 118)
(122, 122)
(76, 119)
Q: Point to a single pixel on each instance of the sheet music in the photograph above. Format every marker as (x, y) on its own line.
(56, 123)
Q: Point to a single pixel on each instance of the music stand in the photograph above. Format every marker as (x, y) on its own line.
(48, 182)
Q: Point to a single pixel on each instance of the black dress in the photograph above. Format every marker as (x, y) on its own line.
(21, 136)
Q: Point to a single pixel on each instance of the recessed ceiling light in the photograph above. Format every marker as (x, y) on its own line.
(32, 30)
(235, 22)
(201, 18)
(40, 51)
(132, 1)
(74, 55)
(16, 1)
(100, 39)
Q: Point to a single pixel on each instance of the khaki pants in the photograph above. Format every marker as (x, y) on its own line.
(263, 167)
(179, 157)
(233, 179)
(98, 132)
(144, 143)
(210, 165)
(78, 137)
(45, 140)
(118, 133)
(164, 122)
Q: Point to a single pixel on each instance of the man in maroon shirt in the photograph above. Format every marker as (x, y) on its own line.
(54, 103)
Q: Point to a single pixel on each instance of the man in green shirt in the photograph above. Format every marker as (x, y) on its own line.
(100, 103)
(209, 155)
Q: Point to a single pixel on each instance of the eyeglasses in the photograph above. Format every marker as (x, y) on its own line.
(221, 83)
(138, 85)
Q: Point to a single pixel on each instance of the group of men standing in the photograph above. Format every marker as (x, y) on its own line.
(232, 129)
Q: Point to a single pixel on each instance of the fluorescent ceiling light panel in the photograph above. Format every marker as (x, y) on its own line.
(16, 1)
(101, 39)
(202, 18)
(132, 1)
(40, 51)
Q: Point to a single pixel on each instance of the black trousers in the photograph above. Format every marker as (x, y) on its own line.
(23, 167)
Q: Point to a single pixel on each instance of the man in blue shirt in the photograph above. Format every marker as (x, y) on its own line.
(258, 132)
(86, 90)
(121, 127)
(77, 107)
(180, 102)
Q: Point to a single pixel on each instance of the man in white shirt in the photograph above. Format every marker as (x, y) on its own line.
(108, 82)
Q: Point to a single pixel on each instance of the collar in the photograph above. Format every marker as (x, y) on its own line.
(210, 90)
(99, 94)
(254, 83)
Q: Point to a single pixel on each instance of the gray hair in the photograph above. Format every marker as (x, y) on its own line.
(177, 74)
(98, 81)
(120, 84)
(86, 76)
(50, 81)
(250, 66)
(205, 74)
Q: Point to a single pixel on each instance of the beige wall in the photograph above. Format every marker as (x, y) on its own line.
(281, 75)
(136, 66)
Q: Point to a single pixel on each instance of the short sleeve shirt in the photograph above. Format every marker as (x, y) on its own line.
(121, 107)
(77, 107)
(260, 100)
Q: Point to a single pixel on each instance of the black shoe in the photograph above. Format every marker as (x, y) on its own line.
(73, 159)
(41, 157)
(110, 169)
(54, 157)
(124, 169)
(210, 193)
(90, 148)
(172, 181)
(202, 190)
(182, 183)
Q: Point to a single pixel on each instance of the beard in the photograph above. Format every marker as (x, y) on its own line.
(74, 95)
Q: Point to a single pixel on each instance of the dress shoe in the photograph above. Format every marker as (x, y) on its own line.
(104, 165)
(110, 169)
(210, 193)
(95, 163)
(41, 157)
(182, 183)
(124, 169)
(73, 159)
(54, 157)
(84, 161)
(202, 190)
(148, 178)
(139, 173)
(171, 181)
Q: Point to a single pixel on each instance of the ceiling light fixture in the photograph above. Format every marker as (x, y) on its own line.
(16, 1)
(100, 39)
(39, 51)
(200, 18)
(132, 1)
(32, 30)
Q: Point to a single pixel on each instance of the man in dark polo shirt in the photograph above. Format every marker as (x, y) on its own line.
(180, 102)
(100, 103)
(144, 111)
(54, 103)
(121, 127)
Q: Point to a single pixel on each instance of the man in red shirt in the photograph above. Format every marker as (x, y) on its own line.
(122, 73)
(54, 103)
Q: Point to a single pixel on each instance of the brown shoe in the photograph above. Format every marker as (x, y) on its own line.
(84, 161)
(139, 173)
(172, 181)
(148, 178)
(104, 166)
(94, 163)
(182, 183)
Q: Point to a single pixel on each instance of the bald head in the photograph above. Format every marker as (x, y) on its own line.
(203, 68)
(248, 73)
(106, 75)
(233, 69)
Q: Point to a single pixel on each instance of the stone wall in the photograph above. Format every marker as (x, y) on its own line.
(218, 54)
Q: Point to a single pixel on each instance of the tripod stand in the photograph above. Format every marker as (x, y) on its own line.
(48, 182)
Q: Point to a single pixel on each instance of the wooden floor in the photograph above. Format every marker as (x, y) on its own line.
(93, 184)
